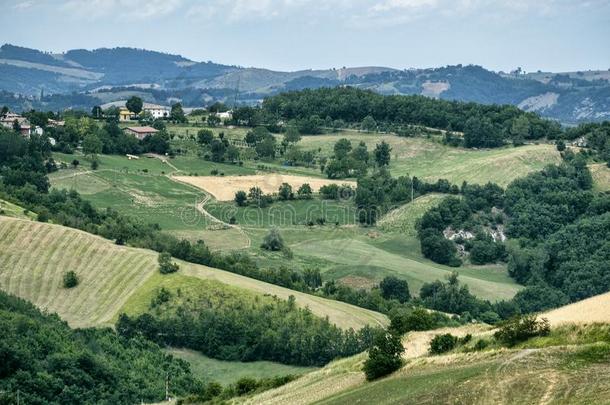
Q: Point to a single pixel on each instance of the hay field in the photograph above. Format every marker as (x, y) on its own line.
(224, 188)
(34, 256)
(590, 310)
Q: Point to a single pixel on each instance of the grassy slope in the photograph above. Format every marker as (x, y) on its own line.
(123, 185)
(11, 210)
(227, 372)
(430, 160)
(403, 218)
(357, 252)
(34, 257)
(571, 366)
(601, 176)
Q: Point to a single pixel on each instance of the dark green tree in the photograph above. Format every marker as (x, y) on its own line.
(134, 104)
(385, 356)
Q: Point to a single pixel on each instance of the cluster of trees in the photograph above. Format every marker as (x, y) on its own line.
(377, 193)
(257, 198)
(482, 125)
(108, 138)
(348, 161)
(459, 214)
(596, 136)
(44, 361)
(218, 148)
(560, 224)
(242, 328)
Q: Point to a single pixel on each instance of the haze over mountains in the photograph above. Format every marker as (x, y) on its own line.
(82, 78)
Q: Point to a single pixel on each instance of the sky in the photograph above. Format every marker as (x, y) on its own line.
(547, 35)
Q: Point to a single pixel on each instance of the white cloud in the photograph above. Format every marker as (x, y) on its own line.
(388, 5)
(23, 5)
(122, 9)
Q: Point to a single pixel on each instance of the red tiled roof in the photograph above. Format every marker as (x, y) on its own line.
(142, 130)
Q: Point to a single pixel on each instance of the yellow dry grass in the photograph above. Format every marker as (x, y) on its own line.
(590, 310)
(223, 188)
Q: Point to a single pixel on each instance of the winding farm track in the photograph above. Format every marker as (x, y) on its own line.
(34, 257)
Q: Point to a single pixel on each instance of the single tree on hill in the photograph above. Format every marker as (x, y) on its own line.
(385, 356)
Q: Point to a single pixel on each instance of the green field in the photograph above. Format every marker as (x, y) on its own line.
(110, 275)
(228, 372)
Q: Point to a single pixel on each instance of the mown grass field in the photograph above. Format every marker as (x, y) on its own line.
(34, 257)
(431, 160)
(535, 372)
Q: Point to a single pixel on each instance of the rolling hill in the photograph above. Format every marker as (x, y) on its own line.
(570, 366)
(104, 75)
(34, 257)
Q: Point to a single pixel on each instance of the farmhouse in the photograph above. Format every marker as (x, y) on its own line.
(126, 115)
(156, 111)
(140, 132)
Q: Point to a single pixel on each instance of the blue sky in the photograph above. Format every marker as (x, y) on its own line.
(555, 35)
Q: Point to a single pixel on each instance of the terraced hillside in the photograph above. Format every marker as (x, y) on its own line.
(34, 257)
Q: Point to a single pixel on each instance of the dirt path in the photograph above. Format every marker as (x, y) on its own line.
(200, 206)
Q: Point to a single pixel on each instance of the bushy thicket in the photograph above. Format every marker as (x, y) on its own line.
(241, 328)
(49, 363)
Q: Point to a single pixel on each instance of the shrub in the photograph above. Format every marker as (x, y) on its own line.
(43, 215)
(273, 241)
(165, 264)
(241, 198)
(305, 191)
(245, 385)
(70, 279)
(443, 343)
(384, 356)
(481, 344)
(417, 319)
(521, 328)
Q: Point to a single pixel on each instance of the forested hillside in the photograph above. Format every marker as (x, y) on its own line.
(42, 360)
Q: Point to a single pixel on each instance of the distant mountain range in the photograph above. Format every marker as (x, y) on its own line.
(82, 78)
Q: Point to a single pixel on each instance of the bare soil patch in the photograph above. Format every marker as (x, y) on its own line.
(224, 188)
